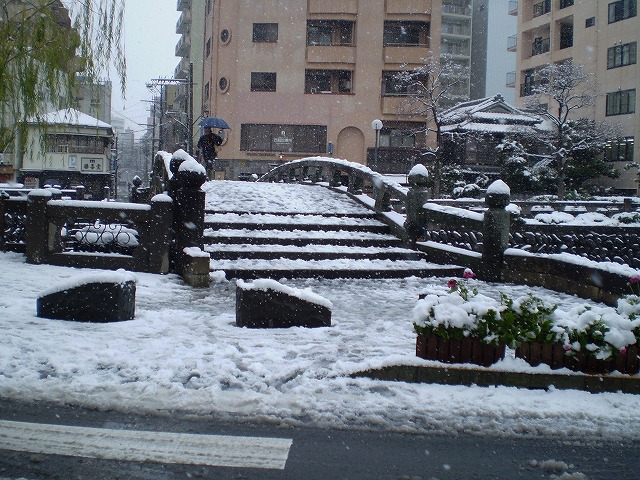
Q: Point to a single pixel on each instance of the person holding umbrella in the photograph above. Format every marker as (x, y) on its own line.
(207, 146)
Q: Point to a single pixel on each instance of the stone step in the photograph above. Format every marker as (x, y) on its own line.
(297, 222)
(309, 252)
(249, 269)
(299, 237)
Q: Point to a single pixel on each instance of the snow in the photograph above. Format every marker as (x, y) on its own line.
(499, 187)
(184, 353)
(264, 284)
(71, 116)
(189, 163)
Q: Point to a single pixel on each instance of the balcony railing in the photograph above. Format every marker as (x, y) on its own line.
(511, 79)
(512, 43)
(541, 8)
(513, 7)
(541, 45)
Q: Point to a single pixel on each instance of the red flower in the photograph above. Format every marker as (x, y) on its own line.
(634, 279)
(453, 283)
(468, 273)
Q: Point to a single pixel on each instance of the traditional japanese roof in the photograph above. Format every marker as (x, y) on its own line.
(73, 117)
(490, 115)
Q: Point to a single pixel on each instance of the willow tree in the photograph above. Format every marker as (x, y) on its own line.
(42, 50)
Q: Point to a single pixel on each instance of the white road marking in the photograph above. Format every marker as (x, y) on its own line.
(145, 446)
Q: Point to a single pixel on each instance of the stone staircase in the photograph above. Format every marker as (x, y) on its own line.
(300, 245)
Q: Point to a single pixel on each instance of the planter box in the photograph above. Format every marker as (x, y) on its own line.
(555, 356)
(468, 350)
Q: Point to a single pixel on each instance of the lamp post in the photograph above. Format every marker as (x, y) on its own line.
(377, 126)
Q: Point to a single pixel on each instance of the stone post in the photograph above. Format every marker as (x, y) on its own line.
(336, 178)
(37, 229)
(495, 230)
(417, 196)
(160, 222)
(188, 217)
(80, 192)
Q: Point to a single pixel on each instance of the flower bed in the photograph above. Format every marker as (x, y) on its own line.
(593, 339)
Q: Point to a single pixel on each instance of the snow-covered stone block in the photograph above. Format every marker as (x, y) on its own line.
(104, 297)
(266, 303)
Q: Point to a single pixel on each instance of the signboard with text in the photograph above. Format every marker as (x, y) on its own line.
(90, 165)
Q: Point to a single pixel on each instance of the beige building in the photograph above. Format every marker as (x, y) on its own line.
(296, 78)
(602, 36)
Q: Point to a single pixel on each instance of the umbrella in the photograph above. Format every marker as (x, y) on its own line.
(214, 122)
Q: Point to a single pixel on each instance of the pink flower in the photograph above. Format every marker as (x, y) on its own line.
(623, 351)
(566, 348)
(634, 279)
(452, 283)
(468, 273)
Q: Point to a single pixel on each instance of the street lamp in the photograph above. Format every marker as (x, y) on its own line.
(377, 126)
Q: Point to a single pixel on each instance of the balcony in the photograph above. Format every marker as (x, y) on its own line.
(334, 6)
(456, 10)
(183, 5)
(184, 22)
(513, 7)
(401, 55)
(331, 54)
(541, 8)
(183, 47)
(540, 46)
(182, 69)
(512, 43)
(511, 80)
(455, 29)
(408, 6)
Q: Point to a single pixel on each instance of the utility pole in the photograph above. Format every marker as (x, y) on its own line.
(190, 137)
(188, 82)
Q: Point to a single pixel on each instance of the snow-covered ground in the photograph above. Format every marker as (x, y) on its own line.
(183, 352)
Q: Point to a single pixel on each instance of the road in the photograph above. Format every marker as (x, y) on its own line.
(44, 441)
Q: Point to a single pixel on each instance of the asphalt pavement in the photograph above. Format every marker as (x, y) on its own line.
(46, 441)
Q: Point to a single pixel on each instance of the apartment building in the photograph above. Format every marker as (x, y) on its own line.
(602, 36)
(296, 78)
(190, 49)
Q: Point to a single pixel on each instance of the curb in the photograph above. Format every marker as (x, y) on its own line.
(485, 378)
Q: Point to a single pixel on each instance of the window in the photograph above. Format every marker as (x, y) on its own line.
(401, 135)
(619, 150)
(392, 86)
(265, 32)
(208, 48)
(206, 92)
(529, 83)
(541, 8)
(566, 3)
(590, 22)
(622, 9)
(406, 34)
(328, 81)
(283, 138)
(622, 55)
(263, 82)
(566, 35)
(621, 103)
(330, 32)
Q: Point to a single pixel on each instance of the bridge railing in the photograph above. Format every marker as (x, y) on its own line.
(484, 235)
(355, 178)
(89, 234)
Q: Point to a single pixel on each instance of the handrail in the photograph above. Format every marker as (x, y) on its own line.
(356, 177)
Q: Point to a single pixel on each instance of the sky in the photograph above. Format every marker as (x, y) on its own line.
(183, 352)
(150, 42)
